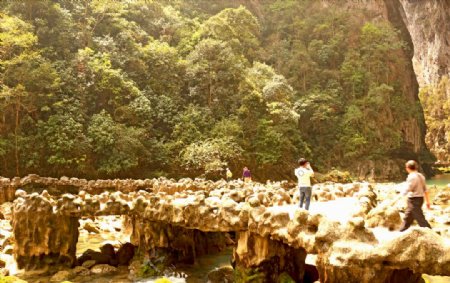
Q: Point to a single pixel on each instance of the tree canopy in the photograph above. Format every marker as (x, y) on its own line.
(186, 88)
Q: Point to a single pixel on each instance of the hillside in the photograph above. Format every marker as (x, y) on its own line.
(185, 88)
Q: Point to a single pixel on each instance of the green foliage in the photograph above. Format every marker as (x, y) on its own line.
(148, 269)
(66, 144)
(248, 275)
(211, 156)
(116, 147)
(149, 88)
(285, 278)
(238, 27)
(436, 105)
(214, 73)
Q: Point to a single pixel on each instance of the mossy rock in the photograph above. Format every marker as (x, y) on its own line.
(150, 270)
(249, 275)
(285, 278)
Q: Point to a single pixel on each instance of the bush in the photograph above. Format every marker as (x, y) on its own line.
(335, 176)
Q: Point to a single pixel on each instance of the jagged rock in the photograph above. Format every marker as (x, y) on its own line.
(82, 270)
(125, 254)
(103, 269)
(108, 251)
(8, 250)
(105, 256)
(90, 227)
(62, 276)
(384, 215)
(88, 263)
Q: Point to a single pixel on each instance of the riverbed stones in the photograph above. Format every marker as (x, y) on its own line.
(103, 269)
(81, 270)
(90, 227)
(63, 275)
(442, 197)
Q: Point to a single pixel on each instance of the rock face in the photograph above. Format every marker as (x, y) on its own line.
(429, 26)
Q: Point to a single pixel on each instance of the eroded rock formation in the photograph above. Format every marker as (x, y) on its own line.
(265, 260)
(271, 235)
(45, 233)
(176, 244)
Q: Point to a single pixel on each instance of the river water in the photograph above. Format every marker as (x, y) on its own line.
(439, 181)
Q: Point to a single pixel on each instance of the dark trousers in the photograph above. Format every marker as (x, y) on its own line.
(305, 193)
(414, 211)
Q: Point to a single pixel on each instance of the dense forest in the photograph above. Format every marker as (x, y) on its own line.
(176, 88)
(436, 103)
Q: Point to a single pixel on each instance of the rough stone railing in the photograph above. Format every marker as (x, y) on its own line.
(34, 183)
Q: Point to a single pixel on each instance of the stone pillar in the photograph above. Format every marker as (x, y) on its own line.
(7, 190)
(260, 259)
(45, 232)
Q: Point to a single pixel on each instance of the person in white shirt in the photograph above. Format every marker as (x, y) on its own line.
(304, 173)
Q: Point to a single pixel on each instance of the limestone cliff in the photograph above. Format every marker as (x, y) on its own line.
(428, 23)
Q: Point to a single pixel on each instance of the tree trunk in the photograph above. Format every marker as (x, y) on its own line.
(16, 129)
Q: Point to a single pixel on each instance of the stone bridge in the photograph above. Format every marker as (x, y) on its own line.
(190, 218)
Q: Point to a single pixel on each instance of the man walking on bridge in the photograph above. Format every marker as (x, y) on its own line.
(304, 173)
(416, 191)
